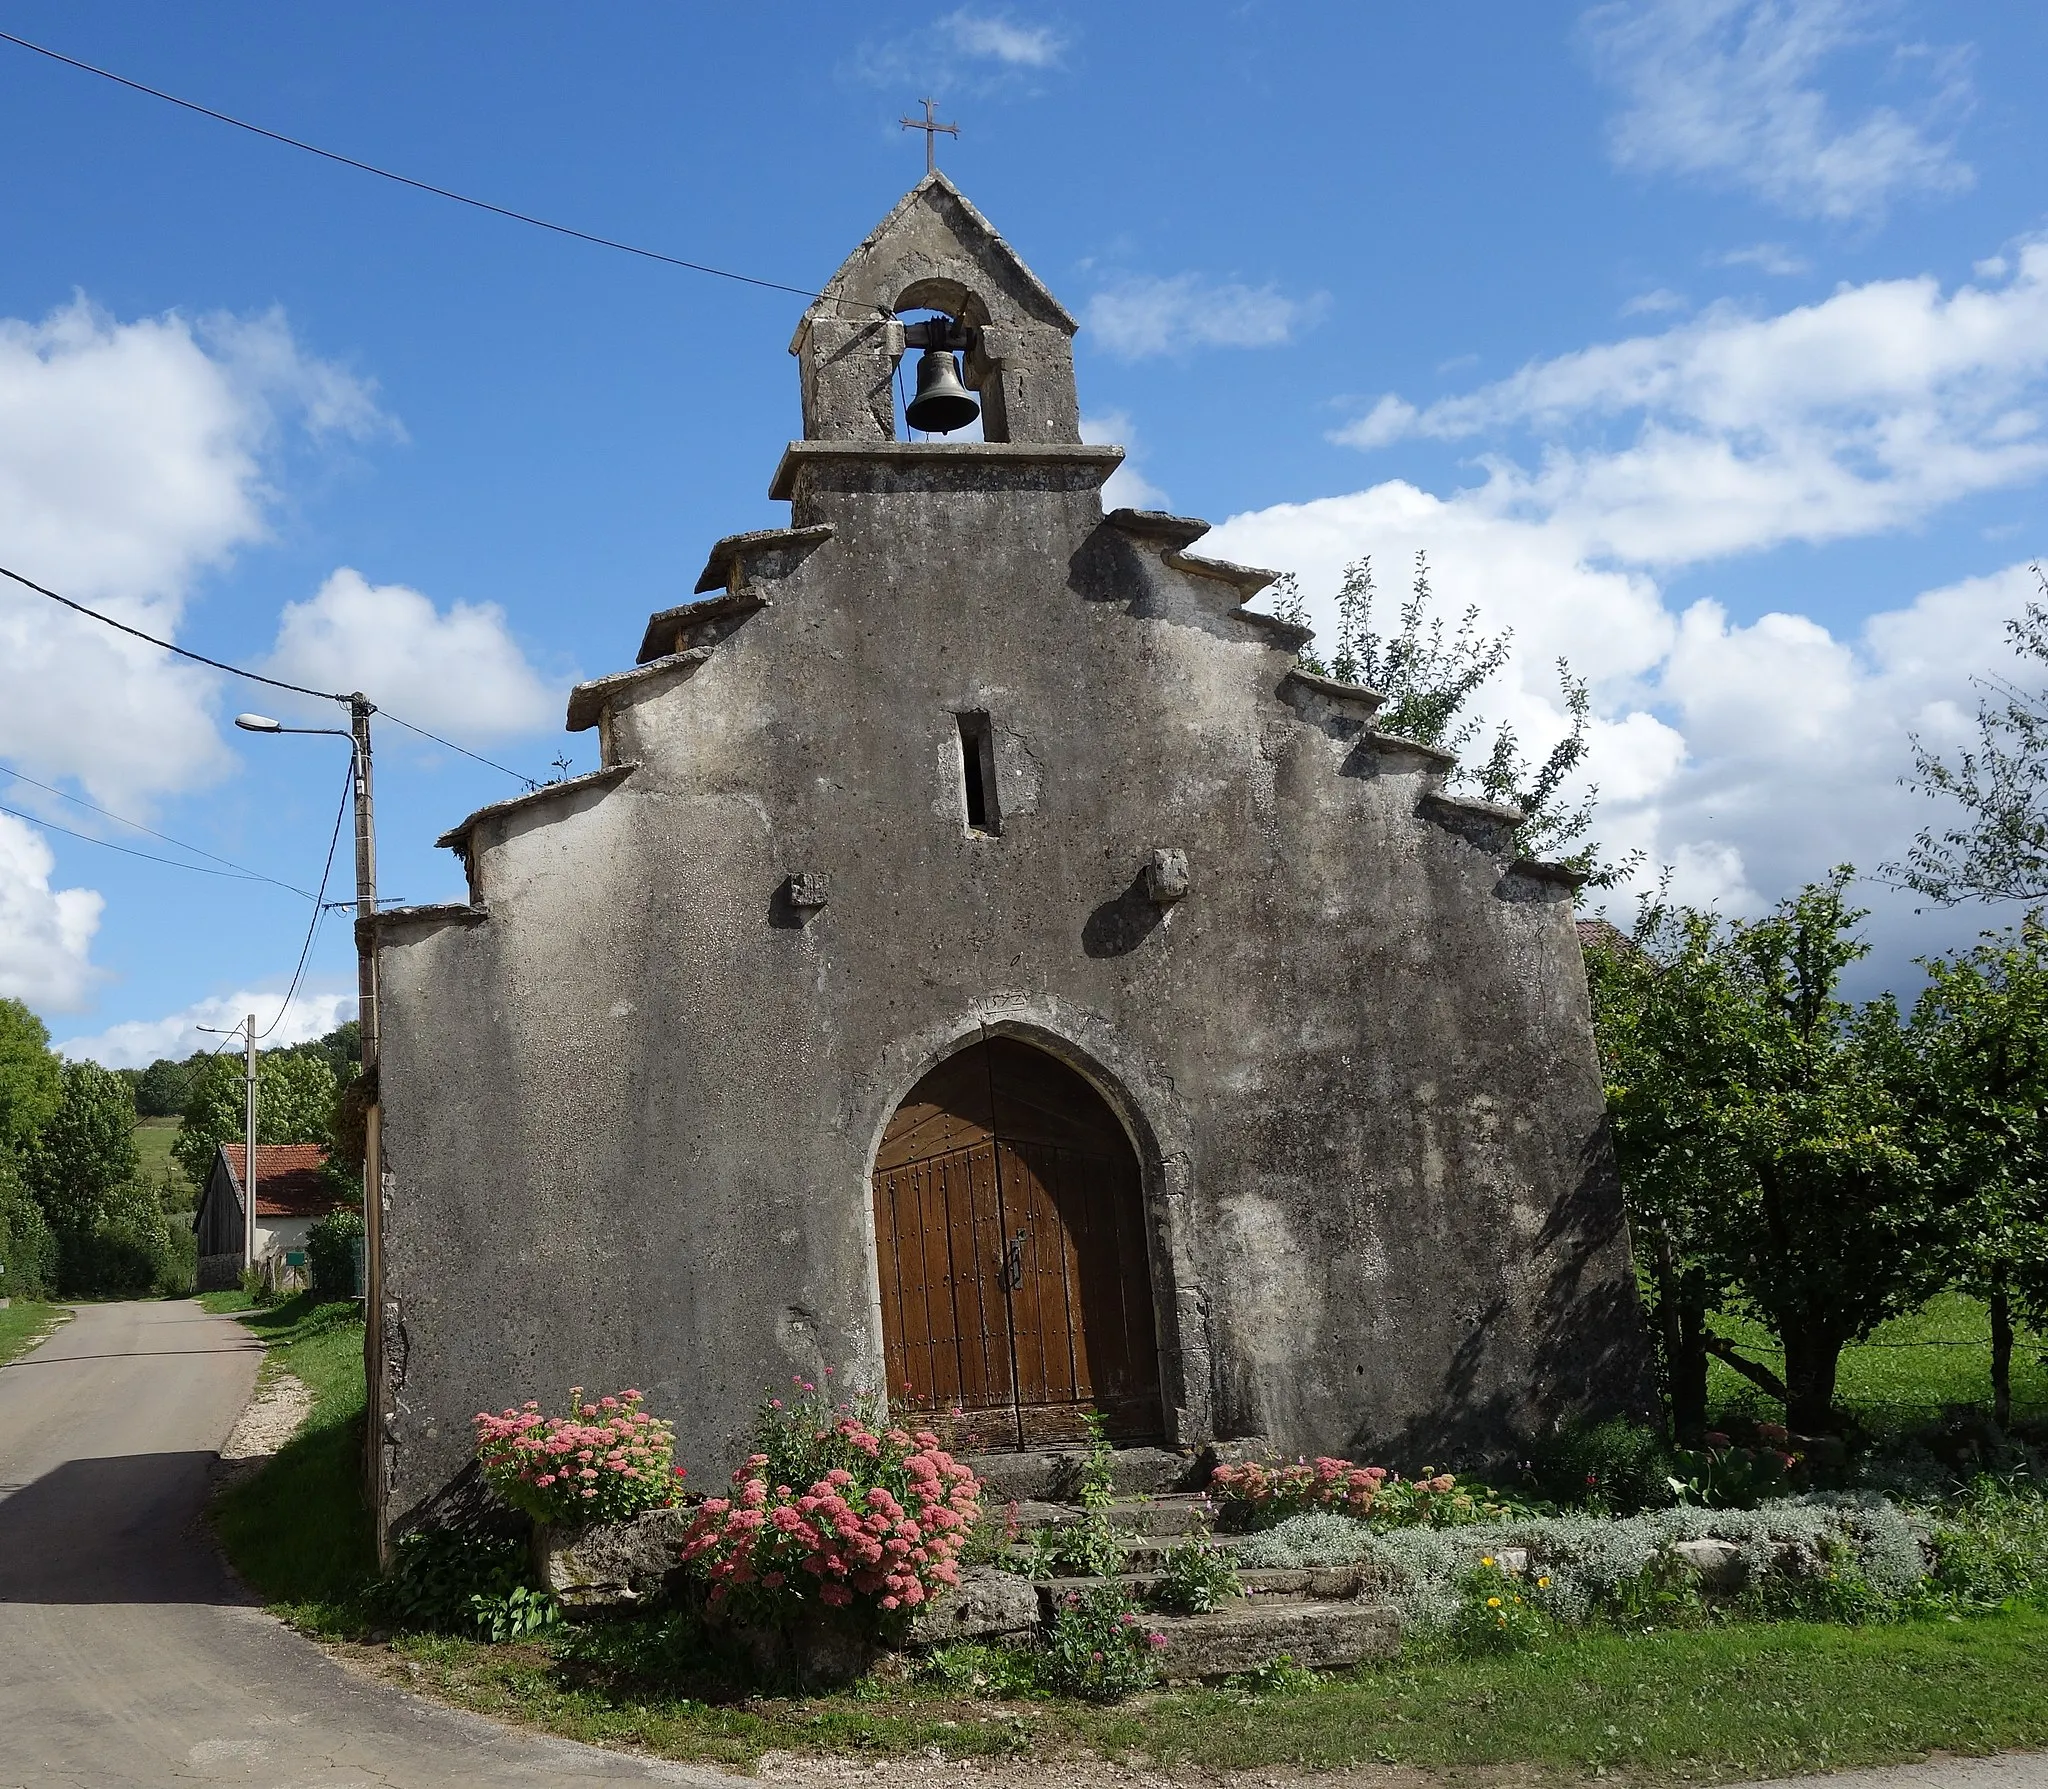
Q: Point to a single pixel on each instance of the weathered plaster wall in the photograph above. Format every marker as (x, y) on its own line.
(629, 1115)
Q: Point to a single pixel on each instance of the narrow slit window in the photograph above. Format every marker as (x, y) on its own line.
(978, 773)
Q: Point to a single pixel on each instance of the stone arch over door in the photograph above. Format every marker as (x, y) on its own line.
(1010, 1246)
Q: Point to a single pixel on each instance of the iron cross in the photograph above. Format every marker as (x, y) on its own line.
(931, 131)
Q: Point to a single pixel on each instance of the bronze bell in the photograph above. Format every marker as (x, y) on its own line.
(942, 403)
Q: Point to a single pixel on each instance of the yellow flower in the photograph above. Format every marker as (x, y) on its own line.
(1542, 1583)
(1488, 1560)
(1493, 1602)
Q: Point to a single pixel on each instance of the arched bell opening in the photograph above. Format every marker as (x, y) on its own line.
(947, 383)
(1016, 1293)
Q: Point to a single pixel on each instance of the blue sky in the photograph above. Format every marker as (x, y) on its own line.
(1703, 341)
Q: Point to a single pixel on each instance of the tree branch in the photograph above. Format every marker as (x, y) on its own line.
(1723, 1349)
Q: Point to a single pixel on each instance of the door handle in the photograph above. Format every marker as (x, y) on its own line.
(1011, 1275)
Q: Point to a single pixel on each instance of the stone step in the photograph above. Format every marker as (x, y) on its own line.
(1330, 1583)
(1324, 1636)
(1047, 1474)
(1172, 1512)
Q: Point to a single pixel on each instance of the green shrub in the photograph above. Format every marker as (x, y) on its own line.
(134, 1250)
(1280, 1676)
(331, 1253)
(1098, 1647)
(1194, 1577)
(28, 1247)
(452, 1581)
(1615, 1466)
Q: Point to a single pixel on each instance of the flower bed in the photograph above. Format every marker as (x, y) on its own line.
(868, 1520)
(1252, 1495)
(604, 1462)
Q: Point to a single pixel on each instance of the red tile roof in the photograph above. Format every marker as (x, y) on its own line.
(289, 1183)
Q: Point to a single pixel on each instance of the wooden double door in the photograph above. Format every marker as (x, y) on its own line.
(1009, 1230)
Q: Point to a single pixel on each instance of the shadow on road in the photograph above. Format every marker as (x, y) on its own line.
(118, 1530)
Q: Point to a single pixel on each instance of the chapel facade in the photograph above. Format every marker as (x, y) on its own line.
(988, 967)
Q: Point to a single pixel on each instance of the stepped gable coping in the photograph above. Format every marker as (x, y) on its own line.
(1098, 460)
(993, 241)
(665, 626)
(1352, 694)
(587, 700)
(1157, 524)
(1538, 870)
(456, 838)
(730, 554)
(1501, 813)
(1176, 533)
(1400, 742)
(368, 931)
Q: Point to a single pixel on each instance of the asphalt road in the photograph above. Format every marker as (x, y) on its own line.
(128, 1654)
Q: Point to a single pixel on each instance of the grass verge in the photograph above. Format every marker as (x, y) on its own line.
(1736, 1701)
(24, 1323)
(298, 1530)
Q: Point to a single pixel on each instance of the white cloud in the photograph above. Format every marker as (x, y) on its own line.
(139, 1042)
(1729, 90)
(1142, 316)
(458, 672)
(45, 934)
(969, 49)
(1650, 304)
(1775, 259)
(1862, 413)
(996, 37)
(1127, 487)
(132, 459)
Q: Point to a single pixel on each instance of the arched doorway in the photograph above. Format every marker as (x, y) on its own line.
(1009, 1231)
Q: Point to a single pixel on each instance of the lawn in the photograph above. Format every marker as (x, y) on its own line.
(1743, 1700)
(1904, 1374)
(153, 1140)
(24, 1323)
(1739, 1699)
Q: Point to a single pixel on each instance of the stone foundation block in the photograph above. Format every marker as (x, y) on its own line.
(987, 1604)
(611, 1564)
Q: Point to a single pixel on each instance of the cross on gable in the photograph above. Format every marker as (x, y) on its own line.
(931, 129)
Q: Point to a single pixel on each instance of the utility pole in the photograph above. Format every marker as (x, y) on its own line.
(368, 1017)
(360, 708)
(249, 1152)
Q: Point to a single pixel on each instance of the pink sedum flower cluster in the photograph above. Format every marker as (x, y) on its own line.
(886, 1535)
(1269, 1492)
(605, 1462)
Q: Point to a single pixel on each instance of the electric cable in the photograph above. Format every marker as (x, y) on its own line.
(200, 869)
(518, 775)
(62, 795)
(297, 689)
(319, 901)
(439, 192)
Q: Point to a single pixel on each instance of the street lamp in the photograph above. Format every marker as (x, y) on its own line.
(360, 708)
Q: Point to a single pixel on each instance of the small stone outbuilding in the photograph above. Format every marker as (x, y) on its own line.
(988, 969)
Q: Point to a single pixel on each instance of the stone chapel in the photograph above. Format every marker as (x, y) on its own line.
(987, 966)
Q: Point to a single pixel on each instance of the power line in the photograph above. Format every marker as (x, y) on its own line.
(439, 192)
(62, 795)
(520, 775)
(297, 689)
(348, 784)
(198, 869)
